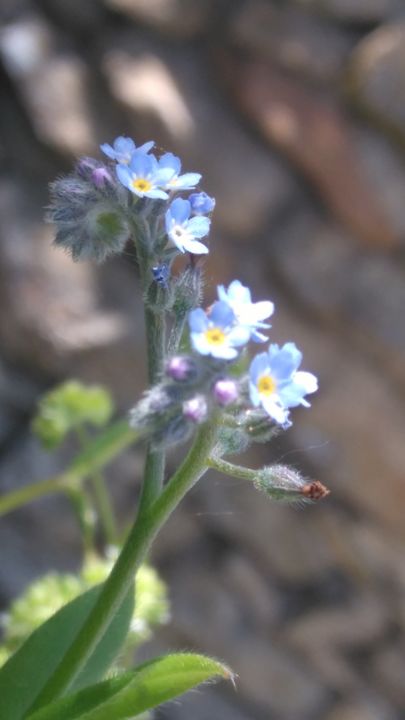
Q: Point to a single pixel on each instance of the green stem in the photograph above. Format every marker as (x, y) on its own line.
(137, 545)
(101, 495)
(155, 329)
(99, 452)
(85, 515)
(227, 468)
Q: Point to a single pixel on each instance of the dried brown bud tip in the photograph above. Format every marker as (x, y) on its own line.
(314, 490)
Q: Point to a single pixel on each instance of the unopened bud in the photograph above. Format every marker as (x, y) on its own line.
(181, 368)
(195, 409)
(201, 203)
(101, 177)
(225, 392)
(284, 483)
(86, 166)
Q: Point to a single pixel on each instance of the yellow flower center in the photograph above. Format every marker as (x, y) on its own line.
(215, 336)
(266, 385)
(141, 184)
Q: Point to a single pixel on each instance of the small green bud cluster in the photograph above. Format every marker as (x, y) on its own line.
(47, 595)
(88, 210)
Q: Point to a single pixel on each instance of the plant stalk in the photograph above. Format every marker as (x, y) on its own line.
(139, 540)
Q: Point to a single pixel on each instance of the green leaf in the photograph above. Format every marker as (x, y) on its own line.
(69, 406)
(131, 693)
(25, 674)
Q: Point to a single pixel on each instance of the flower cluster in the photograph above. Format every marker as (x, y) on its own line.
(137, 193)
(99, 206)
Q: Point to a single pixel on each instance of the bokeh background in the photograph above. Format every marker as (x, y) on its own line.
(294, 111)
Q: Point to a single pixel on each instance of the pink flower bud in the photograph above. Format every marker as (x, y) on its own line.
(100, 176)
(180, 368)
(195, 409)
(225, 392)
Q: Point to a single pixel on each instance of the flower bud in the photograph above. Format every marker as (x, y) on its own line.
(181, 368)
(201, 203)
(89, 224)
(225, 392)
(85, 166)
(101, 177)
(195, 409)
(284, 483)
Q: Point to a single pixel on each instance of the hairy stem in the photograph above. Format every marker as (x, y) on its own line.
(138, 542)
(98, 453)
(227, 468)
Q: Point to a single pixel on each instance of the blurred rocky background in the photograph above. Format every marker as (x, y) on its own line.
(295, 113)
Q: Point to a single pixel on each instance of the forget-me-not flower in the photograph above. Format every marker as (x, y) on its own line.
(201, 203)
(188, 181)
(183, 230)
(217, 333)
(143, 176)
(123, 149)
(276, 383)
(251, 314)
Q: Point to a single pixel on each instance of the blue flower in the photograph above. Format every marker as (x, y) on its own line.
(123, 148)
(183, 230)
(177, 181)
(143, 176)
(201, 203)
(217, 332)
(247, 313)
(276, 384)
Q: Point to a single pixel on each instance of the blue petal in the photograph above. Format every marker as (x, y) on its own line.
(200, 343)
(258, 337)
(259, 366)
(199, 226)
(239, 293)
(124, 175)
(188, 181)
(224, 353)
(146, 146)
(124, 145)
(180, 210)
(168, 160)
(254, 395)
(194, 246)
(221, 315)
(108, 150)
(156, 193)
(285, 361)
(163, 176)
(239, 335)
(197, 320)
(141, 164)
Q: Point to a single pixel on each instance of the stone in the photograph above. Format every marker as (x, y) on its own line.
(358, 459)
(169, 96)
(375, 78)
(327, 636)
(287, 550)
(342, 285)
(178, 18)
(358, 12)
(300, 42)
(266, 671)
(388, 671)
(313, 133)
(52, 86)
